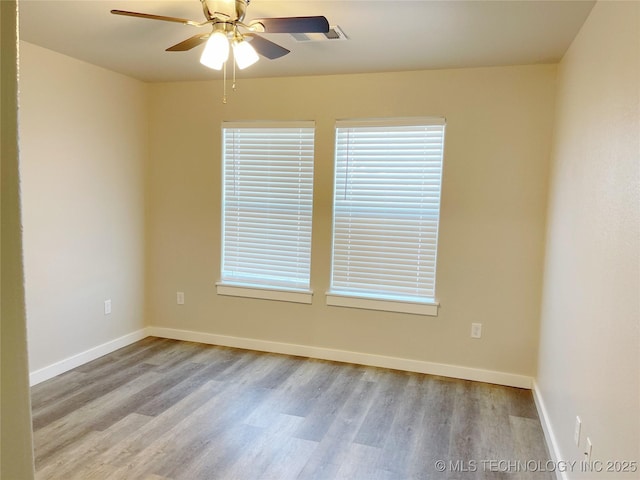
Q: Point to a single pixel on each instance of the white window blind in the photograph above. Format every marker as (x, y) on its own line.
(267, 204)
(386, 208)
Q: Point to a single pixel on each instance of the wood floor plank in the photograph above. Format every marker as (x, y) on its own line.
(124, 452)
(521, 403)
(377, 423)
(210, 429)
(169, 451)
(219, 457)
(332, 449)
(50, 391)
(465, 427)
(529, 446)
(276, 446)
(89, 392)
(289, 458)
(228, 408)
(320, 417)
(169, 410)
(282, 367)
(496, 439)
(280, 399)
(302, 395)
(169, 397)
(70, 430)
(396, 450)
(123, 358)
(80, 461)
(246, 362)
(434, 431)
(172, 352)
(136, 402)
(361, 461)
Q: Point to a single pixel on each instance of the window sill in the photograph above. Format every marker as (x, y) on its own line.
(351, 301)
(281, 295)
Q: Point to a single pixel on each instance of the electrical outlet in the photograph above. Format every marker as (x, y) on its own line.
(107, 307)
(576, 431)
(476, 330)
(180, 298)
(587, 451)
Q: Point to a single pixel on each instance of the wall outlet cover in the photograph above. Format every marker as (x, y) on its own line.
(587, 451)
(476, 330)
(576, 431)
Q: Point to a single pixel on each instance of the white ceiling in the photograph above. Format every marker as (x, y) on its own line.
(383, 35)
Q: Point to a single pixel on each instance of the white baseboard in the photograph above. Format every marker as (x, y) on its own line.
(396, 363)
(445, 370)
(547, 428)
(74, 361)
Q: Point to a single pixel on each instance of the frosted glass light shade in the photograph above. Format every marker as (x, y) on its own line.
(244, 54)
(216, 51)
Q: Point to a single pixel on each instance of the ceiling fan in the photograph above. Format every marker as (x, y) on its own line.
(226, 18)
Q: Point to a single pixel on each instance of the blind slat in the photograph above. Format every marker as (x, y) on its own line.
(386, 208)
(267, 204)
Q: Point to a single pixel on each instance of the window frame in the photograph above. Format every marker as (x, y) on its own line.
(228, 286)
(385, 301)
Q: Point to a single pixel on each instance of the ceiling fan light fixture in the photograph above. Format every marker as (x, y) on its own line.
(244, 54)
(216, 51)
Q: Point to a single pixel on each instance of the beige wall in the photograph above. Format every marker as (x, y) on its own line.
(590, 343)
(493, 211)
(83, 141)
(16, 456)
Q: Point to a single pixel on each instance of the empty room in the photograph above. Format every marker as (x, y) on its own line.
(320, 240)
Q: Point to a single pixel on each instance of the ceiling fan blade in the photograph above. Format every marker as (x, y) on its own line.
(156, 17)
(266, 48)
(294, 24)
(189, 43)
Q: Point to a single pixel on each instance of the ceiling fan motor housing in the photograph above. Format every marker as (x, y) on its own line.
(235, 10)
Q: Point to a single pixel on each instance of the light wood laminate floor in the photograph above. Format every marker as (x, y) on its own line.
(164, 409)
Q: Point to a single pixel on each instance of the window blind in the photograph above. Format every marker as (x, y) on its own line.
(267, 204)
(386, 208)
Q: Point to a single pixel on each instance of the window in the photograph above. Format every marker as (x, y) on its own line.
(266, 210)
(386, 211)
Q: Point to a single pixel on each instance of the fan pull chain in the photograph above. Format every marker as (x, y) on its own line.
(233, 86)
(224, 82)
